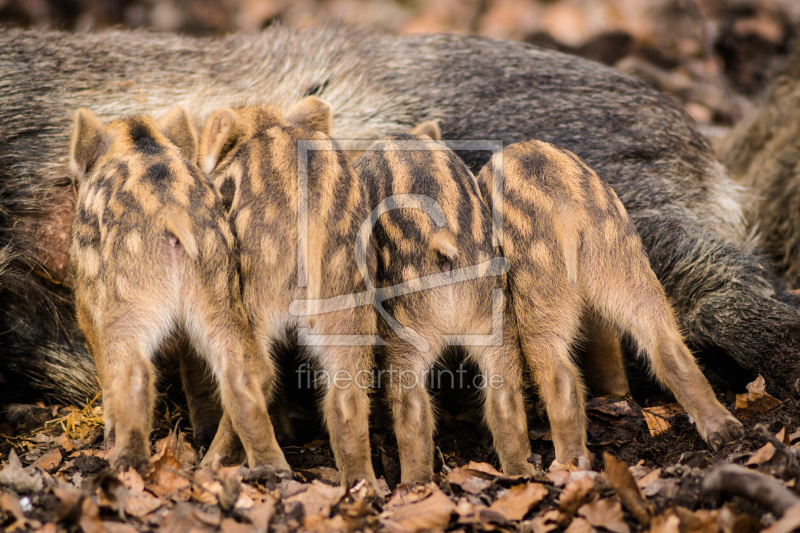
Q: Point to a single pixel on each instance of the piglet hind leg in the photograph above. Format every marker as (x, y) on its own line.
(561, 390)
(634, 300)
(345, 408)
(404, 377)
(222, 336)
(548, 316)
(130, 379)
(226, 447)
(504, 412)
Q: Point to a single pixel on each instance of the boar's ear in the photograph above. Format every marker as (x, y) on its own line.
(177, 126)
(217, 139)
(429, 128)
(88, 142)
(311, 113)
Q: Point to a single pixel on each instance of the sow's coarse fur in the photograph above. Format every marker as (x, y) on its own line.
(574, 258)
(253, 157)
(680, 199)
(763, 152)
(153, 257)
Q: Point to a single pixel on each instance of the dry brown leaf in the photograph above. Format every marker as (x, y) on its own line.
(665, 523)
(261, 515)
(9, 504)
(429, 513)
(49, 461)
(700, 521)
(325, 474)
(519, 499)
(649, 478)
(767, 452)
(762, 455)
(317, 501)
(206, 488)
(131, 480)
(229, 525)
(178, 447)
(559, 478)
(404, 496)
(486, 468)
(167, 478)
(118, 527)
(76, 507)
(612, 420)
(230, 477)
(755, 400)
(544, 523)
(13, 475)
(732, 522)
(605, 513)
(467, 512)
(468, 481)
(184, 517)
(579, 525)
(655, 424)
(141, 504)
(102, 454)
(760, 25)
(69, 499)
(248, 496)
(66, 443)
(639, 470)
(620, 478)
(653, 484)
(210, 516)
(575, 494)
(567, 23)
(790, 521)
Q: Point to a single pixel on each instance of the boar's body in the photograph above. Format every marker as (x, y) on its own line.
(763, 153)
(680, 199)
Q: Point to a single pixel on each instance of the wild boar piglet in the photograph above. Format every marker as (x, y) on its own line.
(440, 280)
(154, 259)
(296, 204)
(577, 263)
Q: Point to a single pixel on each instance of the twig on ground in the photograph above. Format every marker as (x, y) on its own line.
(740, 481)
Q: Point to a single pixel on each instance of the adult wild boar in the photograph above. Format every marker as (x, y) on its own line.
(681, 200)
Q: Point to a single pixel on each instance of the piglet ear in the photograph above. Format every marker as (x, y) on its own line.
(217, 139)
(177, 126)
(88, 142)
(429, 128)
(311, 113)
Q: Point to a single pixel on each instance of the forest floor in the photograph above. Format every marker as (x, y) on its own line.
(651, 472)
(651, 469)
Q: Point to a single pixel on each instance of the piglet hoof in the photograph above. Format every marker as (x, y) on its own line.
(730, 430)
(265, 475)
(130, 461)
(282, 467)
(582, 462)
(529, 467)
